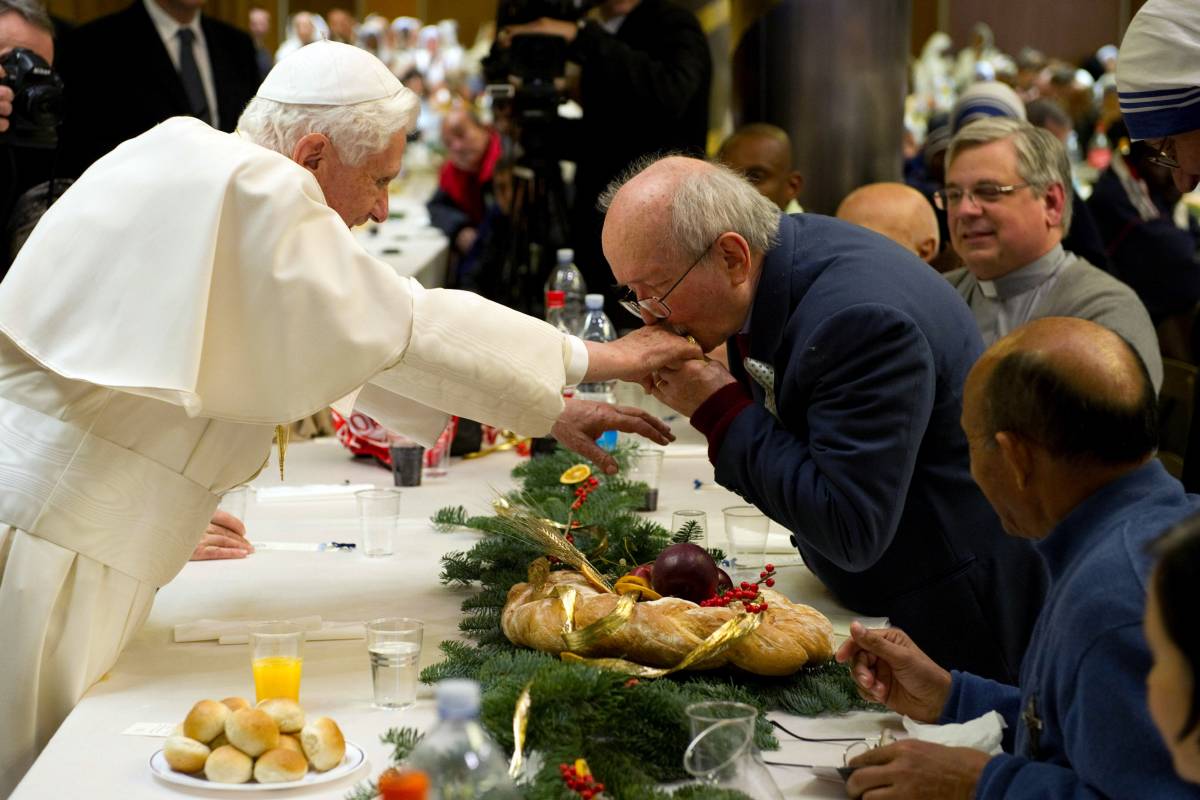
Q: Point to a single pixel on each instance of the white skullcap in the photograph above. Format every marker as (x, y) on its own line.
(1158, 71)
(329, 74)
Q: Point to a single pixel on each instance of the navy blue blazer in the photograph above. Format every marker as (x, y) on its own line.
(867, 463)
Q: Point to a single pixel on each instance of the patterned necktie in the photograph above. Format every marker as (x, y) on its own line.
(193, 87)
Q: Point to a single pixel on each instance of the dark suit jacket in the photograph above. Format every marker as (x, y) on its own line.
(867, 463)
(120, 81)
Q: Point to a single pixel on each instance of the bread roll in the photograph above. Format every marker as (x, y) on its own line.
(184, 754)
(279, 765)
(289, 742)
(252, 731)
(288, 714)
(236, 703)
(220, 741)
(660, 633)
(228, 765)
(323, 744)
(205, 720)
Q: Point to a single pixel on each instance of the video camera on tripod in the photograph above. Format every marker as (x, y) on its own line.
(521, 82)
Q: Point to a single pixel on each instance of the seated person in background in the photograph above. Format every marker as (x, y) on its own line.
(1008, 201)
(899, 212)
(472, 150)
(1174, 639)
(1061, 420)
(763, 153)
(1133, 203)
(838, 415)
(995, 99)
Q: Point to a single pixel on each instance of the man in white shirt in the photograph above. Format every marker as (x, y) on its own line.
(1008, 200)
(192, 294)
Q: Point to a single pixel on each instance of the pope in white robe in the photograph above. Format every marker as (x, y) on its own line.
(190, 292)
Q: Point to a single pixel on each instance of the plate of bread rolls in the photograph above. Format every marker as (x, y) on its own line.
(238, 747)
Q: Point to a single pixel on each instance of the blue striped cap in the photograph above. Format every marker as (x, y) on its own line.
(1158, 70)
(986, 99)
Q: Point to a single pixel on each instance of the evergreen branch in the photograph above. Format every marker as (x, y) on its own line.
(367, 790)
(449, 518)
(689, 531)
(402, 740)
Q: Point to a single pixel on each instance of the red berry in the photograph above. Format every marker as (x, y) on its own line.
(745, 584)
(763, 605)
(770, 582)
(770, 567)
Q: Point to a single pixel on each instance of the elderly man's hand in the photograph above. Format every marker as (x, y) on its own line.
(225, 537)
(582, 422)
(889, 668)
(913, 768)
(554, 27)
(637, 354)
(6, 101)
(684, 387)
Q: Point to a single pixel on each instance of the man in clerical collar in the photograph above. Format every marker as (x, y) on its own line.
(1008, 200)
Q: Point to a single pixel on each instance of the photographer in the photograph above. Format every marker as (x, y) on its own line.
(645, 72)
(26, 40)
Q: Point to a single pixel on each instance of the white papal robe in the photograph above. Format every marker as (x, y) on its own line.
(188, 293)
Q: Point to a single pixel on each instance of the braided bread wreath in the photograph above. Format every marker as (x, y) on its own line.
(660, 633)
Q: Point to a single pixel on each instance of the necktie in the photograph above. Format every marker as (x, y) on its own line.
(193, 87)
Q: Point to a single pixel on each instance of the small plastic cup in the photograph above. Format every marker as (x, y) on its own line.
(378, 520)
(645, 466)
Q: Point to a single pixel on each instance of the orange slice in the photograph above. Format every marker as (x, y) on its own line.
(576, 474)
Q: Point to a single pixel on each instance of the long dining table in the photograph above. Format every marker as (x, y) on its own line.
(104, 747)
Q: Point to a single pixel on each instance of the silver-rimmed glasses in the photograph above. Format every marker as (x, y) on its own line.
(1163, 154)
(983, 194)
(657, 306)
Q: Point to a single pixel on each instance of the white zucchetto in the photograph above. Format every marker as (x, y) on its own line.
(328, 73)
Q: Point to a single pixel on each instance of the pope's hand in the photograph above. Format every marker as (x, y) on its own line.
(890, 669)
(582, 422)
(225, 537)
(913, 768)
(686, 386)
(635, 355)
(6, 101)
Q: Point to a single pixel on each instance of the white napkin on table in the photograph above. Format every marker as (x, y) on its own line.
(983, 733)
(329, 631)
(205, 630)
(309, 492)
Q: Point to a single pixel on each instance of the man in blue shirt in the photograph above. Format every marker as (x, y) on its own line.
(1060, 417)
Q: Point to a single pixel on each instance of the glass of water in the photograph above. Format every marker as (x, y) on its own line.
(394, 645)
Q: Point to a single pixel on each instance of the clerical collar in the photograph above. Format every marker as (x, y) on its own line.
(1025, 279)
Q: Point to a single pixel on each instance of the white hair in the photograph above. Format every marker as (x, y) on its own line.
(356, 131)
(707, 203)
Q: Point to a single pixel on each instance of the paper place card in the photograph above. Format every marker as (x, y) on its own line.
(150, 729)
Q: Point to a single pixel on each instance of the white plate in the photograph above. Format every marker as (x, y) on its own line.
(351, 762)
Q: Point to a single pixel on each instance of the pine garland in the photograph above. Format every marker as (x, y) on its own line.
(632, 733)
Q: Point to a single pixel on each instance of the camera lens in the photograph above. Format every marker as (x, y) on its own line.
(42, 105)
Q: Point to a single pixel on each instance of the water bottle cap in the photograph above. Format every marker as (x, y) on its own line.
(565, 255)
(556, 298)
(594, 301)
(457, 698)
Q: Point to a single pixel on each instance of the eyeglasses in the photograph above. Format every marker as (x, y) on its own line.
(985, 194)
(657, 306)
(1163, 154)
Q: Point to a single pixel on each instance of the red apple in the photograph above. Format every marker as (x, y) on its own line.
(643, 571)
(685, 570)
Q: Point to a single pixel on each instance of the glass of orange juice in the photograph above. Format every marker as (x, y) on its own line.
(276, 658)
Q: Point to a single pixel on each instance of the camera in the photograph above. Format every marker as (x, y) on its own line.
(37, 100)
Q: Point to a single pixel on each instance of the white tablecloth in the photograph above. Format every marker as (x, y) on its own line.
(157, 680)
(405, 240)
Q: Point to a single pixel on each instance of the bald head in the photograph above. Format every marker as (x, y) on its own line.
(897, 211)
(763, 154)
(1073, 387)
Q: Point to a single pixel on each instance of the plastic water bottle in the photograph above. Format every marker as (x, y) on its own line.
(555, 310)
(566, 278)
(597, 327)
(459, 757)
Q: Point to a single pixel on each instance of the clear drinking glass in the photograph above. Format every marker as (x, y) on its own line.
(276, 659)
(746, 528)
(722, 751)
(645, 466)
(686, 515)
(378, 519)
(234, 501)
(394, 646)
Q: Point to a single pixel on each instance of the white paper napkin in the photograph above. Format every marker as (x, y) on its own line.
(983, 733)
(329, 631)
(309, 492)
(204, 630)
